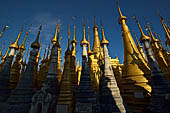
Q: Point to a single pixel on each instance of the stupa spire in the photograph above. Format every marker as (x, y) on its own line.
(15, 44)
(74, 43)
(74, 33)
(104, 41)
(22, 46)
(54, 40)
(96, 42)
(89, 50)
(120, 14)
(84, 41)
(160, 86)
(133, 60)
(166, 29)
(36, 44)
(141, 31)
(16, 102)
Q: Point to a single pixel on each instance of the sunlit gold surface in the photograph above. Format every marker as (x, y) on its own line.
(96, 42)
(135, 72)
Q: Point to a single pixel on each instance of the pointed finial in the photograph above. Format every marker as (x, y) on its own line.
(152, 37)
(74, 33)
(36, 44)
(166, 29)
(3, 30)
(15, 44)
(54, 40)
(88, 34)
(74, 36)
(22, 46)
(137, 21)
(143, 36)
(89, 50)
(104, 41)
(120, 14)
(58, 36)
(84, 41)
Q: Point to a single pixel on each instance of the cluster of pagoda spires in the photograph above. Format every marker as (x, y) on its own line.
(93, 87)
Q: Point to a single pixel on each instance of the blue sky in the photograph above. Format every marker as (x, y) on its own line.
(50, 12)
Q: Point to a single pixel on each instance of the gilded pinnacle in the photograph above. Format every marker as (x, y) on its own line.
(96, 42)
(120, 14)
(166, 29)
(58, 43)
(89, 50)
(104, 41)
(54, 40)
(152, 37)
(22, 46)
(74, 36)
(36, 44)
(143, 36)
(15, 44)
(84, 41)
